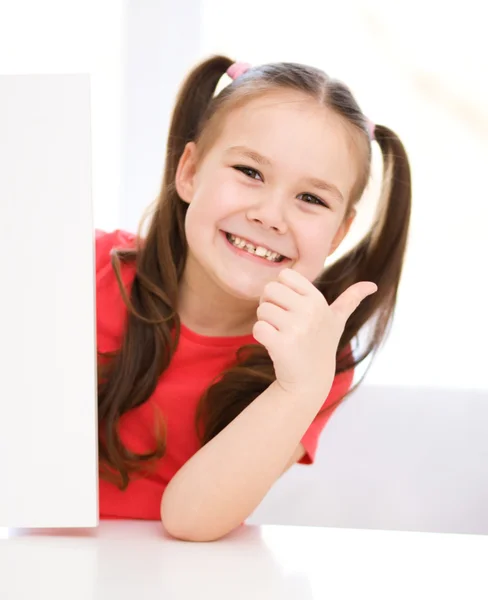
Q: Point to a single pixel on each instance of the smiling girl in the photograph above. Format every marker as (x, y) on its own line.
(224, 344)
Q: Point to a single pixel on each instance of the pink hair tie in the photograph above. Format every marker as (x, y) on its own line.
(237, 69)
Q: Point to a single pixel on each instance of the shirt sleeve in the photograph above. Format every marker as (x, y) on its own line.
(104, 243)
(342, 384)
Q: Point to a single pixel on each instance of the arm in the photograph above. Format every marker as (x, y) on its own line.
(222, 484)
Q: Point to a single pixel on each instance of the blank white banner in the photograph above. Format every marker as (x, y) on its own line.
(48, 411)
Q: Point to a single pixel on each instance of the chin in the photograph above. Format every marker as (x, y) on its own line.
(242, 289)
(241, 292)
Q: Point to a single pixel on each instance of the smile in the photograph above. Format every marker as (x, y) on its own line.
(258, 251)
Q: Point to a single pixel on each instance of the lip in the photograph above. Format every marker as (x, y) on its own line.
(253, 257)
(254, 243)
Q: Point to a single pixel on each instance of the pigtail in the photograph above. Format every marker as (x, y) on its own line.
(128, 377)
(165, 243)
(378, 257)
(191, 106)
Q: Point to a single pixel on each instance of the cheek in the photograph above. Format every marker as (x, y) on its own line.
(315, 241)
(212, 202)
(218, 198)
(314, 247)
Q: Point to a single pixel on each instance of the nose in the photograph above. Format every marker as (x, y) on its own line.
(269, 212)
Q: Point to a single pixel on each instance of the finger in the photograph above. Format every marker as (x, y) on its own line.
(296, 281)
(349, 300)
(265, 334)
(280, 294)
(272, 314)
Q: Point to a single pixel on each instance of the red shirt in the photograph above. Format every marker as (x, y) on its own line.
(176, 394)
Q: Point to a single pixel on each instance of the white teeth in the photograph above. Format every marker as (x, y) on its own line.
(257, 250)
(238, 242)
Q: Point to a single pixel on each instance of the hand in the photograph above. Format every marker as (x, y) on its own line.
(302, 332)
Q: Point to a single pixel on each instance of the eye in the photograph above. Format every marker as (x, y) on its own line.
(251, 173)
(311, 199)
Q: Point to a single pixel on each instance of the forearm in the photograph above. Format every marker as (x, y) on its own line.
(221, 485)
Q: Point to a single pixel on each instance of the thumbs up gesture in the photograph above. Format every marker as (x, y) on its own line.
(301, 331)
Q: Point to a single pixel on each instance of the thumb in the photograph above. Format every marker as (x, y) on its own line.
(351, 298)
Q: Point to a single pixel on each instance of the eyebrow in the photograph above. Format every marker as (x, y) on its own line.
(262, 160)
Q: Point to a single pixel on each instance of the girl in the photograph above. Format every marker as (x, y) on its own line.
(224, 345)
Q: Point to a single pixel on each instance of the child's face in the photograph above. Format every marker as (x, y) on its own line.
(273, 201)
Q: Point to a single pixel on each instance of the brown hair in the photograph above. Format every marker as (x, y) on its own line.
(128, 377)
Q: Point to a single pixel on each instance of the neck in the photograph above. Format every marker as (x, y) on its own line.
(207, 310)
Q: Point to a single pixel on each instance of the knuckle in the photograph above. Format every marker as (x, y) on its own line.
(286, 274)
(270, 288)
(315, 305)
(273, 286)
(298, 329)
(318, 296)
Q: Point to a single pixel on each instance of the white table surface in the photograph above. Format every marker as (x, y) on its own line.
(135, 560)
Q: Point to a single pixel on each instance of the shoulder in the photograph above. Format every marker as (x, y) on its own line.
(105, 242)
(111, 309)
